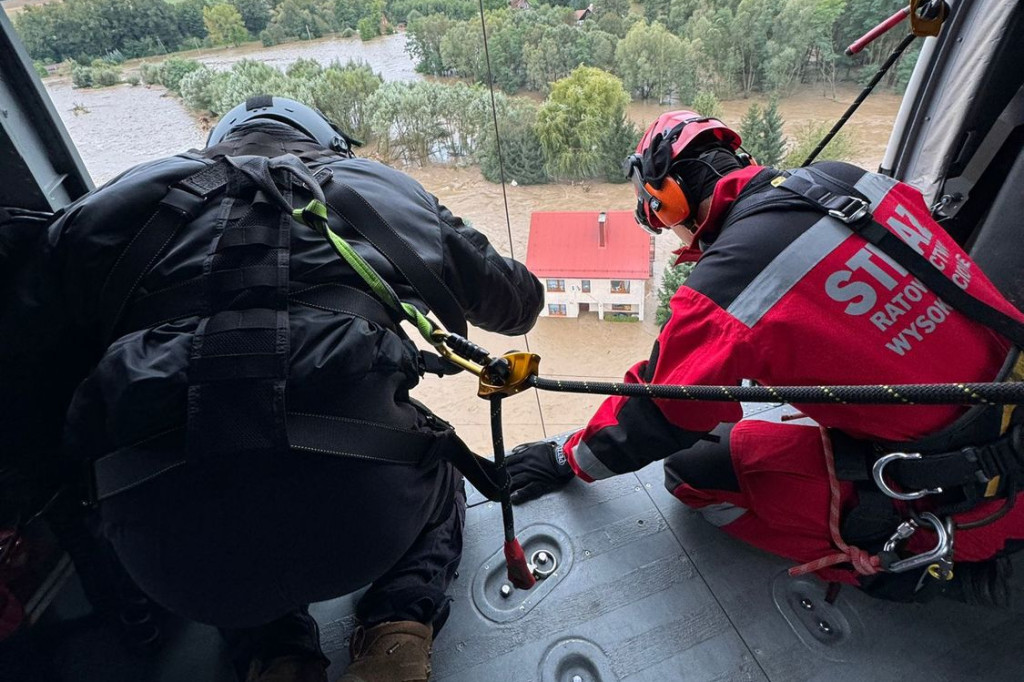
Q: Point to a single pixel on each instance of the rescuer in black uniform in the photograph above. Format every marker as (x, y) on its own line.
(240, 396)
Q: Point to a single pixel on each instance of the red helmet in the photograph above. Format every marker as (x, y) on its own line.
(661, 198)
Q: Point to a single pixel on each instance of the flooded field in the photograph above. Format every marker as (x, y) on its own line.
(118, 127)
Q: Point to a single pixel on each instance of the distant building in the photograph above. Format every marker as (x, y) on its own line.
(519, 4)
(582, 14)
(590, 262)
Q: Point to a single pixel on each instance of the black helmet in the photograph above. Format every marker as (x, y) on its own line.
(295, 114)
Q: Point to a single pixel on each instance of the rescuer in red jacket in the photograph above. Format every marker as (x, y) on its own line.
(785, 294)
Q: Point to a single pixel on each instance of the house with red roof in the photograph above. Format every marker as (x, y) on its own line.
(590, 261)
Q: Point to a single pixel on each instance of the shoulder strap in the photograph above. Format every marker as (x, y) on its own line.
(846, 204)
(362, 217)
(761, 195)
(179, 206)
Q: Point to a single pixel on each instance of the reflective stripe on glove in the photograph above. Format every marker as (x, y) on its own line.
(537, 469)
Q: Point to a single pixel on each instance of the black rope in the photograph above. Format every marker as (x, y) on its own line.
(880, 394)
(860, 98)
(498, 441)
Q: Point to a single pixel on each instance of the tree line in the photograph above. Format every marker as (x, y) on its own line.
(86, 30)
(580, 131)
(671, 51)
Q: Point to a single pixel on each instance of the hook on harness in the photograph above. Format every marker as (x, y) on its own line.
(878, 473)
(938, 560)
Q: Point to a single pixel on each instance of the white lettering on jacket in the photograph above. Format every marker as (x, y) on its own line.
(872, 284)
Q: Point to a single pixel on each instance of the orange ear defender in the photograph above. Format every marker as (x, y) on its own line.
(656, 208)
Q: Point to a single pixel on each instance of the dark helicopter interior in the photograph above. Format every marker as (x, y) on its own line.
(640, 588)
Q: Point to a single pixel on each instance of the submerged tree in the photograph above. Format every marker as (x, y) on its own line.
(224, 25)
(577, 121)
(673, 278)
(761, 130)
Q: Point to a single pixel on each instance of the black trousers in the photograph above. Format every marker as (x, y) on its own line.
(249, 549)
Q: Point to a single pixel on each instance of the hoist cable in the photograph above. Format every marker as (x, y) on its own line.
(501, 175)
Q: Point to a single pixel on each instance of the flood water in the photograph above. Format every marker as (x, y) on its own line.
(121, 126)
(385, 54)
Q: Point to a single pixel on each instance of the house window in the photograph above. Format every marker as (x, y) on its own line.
(585, 283)
(622, 308)
(556, 309)
(556, 285)
(620, 286)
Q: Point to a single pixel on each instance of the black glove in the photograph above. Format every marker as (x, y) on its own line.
(537, 469)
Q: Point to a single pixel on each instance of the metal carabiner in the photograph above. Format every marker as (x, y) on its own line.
(878, 470)
(902, 532)
(942, 554)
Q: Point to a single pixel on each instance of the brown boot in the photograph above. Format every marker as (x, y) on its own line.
(390, 652)
(288, 669)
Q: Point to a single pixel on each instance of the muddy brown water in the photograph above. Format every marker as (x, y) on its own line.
(118, 127)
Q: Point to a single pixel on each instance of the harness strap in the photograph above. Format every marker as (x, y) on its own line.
(188, 300)
(181, 204)
(969, 466)
(136, 464)
(364, 219)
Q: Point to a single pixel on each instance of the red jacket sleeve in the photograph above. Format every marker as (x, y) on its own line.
(700, 344)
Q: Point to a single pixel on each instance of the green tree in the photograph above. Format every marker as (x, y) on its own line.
(419, 121)
(807, 138)
(597, 48)
(342, 93)
(86, 29)
(706, 104)
(802, 36)
(612, 23)
(751, 26)
(773, 142)
(521, 150)
(709, 31)
(674, 277)
(303, 19)
(761, 130)
(245, 79)
(255, 14)
(576, 121)
(552, 57)
(679, 13)
(462, 51)
(349, 12)
(646, 60)
(621, 142)
(189, 15)
(224, 25)
(305, 69)
(423, 42)
(196, 89)
(368, 28)
(618, 8)
(175, 69)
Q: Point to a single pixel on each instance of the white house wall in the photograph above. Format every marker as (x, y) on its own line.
(600, 297)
